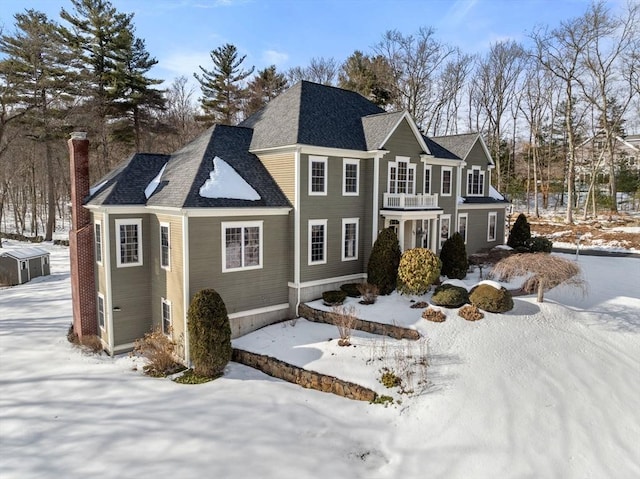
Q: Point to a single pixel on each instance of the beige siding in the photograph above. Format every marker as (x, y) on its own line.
(282, 168)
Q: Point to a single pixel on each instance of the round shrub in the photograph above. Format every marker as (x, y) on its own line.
(470, 313)
(352, 289)
(450, 296)
(209, 334)
(520, 234)
(334, 297)
(454, 257)
(382, 269)
(494, 300)
(419, 269)
(540, 244)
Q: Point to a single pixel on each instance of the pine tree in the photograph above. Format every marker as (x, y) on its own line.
(371, 77)
(265, 86)
(382, 269)
(454, 257)
(222, 91)
(520, 234)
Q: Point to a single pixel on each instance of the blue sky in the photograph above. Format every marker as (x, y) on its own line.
(181, 33)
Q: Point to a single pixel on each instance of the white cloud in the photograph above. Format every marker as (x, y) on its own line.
(459, 10)
(273, 57)
(186, 62)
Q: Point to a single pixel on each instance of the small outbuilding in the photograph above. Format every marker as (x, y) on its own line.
(17, 266)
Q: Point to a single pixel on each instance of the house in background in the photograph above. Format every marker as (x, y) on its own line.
(592, 157)
(269, 213)
(17, 266)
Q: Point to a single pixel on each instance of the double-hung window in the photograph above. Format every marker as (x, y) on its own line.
(402, 176)
(241, 245)
(97, 232)
(350, 239)
(166, 316)
(462, 225)
(492, 226)
(447, 178)
(129, 233)
(475, 182)
(165, 246)
(350, 174)
(317, 241)
(427, 179)
(101, 311)
(318, 175)
(445, 228)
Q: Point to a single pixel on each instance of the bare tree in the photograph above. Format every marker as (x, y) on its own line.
(320, 70)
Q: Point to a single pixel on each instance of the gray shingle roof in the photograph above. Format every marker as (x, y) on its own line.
(312, 114)
(458, 144)
(438, 150)
(377, 128)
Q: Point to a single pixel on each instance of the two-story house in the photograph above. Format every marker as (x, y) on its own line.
(273, 212)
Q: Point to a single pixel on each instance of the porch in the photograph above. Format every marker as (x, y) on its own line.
(404, 201)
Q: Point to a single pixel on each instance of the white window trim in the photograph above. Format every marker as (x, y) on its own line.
(466, 229)
(223, 245)
(168, 226)
(470, 179)
(450, 170)
(440, 239)
(164, 301)
(424, 177)
(345, 222)
(123, 222)
(345, 162)
(324, 246)
(411, 185)
(97, 241)
(492, 214)
(318, 159)
(104, 312)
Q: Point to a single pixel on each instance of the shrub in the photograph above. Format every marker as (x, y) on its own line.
(189, 377)
(419, 269)
(520, 234)
(344, 318)
(209, 334)
(91, 343)
(382, 269)
(419, 305)
(540, 244)
(494, 300)
(334, 297)
(369, 293)
(352, 289)
(450, 296)
(454, 257)
(158, 349)
(433, 314)
(470, 313)
(389, 379)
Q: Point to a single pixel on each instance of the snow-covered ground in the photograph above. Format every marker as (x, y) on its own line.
(547, 390)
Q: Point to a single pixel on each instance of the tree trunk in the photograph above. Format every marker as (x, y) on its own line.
(540, 297)
(51, 196)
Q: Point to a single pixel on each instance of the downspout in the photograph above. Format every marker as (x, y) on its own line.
(376, 193)
(185, 283)
(296, 227)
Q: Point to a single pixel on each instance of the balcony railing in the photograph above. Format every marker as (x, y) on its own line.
(403, 201)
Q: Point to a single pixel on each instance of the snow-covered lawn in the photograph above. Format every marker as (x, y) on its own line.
(547, 390)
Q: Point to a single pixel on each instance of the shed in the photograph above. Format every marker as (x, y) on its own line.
(17, 266)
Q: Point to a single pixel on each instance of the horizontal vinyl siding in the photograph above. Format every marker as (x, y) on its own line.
(477, 228)
(282, 169)
(476, 157)
(241, 290)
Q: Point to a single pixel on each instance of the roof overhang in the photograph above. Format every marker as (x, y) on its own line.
(411, 214)
(319, 150)
(192, 212)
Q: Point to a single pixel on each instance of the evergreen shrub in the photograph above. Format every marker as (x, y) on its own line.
(454, 257)
(352, 289)
(419, 269)
(494, 300)
(520, 234)
(450, 296)
(382, 269)
(540, 244)
(334, 297)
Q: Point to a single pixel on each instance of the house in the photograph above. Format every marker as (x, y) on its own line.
(269, 213)
(591, 156)
(17, 266)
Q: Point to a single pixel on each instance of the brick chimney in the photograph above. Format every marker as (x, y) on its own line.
(81, 243)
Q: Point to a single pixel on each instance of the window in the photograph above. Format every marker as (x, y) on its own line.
(402, 176)
(165, 246)
(350, 238)
(445, 188)
(23, 265)
(97, 227)
(350, 174)
(491, 229)
(475, 182)
(317, 241)
(166, 316)
(129, 242)
(445, 227)
(317, 175)
(101, 311)
(242, 246)
(423, 233)
(427, 179)
(462, 225)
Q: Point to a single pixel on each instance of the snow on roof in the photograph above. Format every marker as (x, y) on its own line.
(153, 184)
(493, 193)
(225, 182)
(95, 189)
(26, 253)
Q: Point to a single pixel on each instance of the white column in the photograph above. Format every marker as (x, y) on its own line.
(401, 234)
(435, 233)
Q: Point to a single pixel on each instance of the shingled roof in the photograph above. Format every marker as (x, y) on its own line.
(458, 144)
(187, 170)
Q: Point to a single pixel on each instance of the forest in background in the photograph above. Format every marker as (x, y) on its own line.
(534, 104)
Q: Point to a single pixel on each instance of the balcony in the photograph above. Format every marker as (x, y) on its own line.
(403, 201)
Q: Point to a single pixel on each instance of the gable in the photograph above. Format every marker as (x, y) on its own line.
(477, 156)
(402, 140)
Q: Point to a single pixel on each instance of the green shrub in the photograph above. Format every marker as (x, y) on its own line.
(450, 296)
(454, 257)
(494, 300)
(382, 269)
(540, 244)
(419, 269)
(209, 334)
(389, 379)
(520, 234)
(334, 297)
(352, 289)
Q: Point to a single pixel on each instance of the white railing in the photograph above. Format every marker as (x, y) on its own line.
(409, 202)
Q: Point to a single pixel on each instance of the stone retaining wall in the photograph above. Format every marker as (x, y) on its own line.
(305, 378)
(396, 332)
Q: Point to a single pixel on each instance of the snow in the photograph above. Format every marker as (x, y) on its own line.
(96, 188)
(225, 182)
(153, 184)
(493, 193)
(547, 390)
